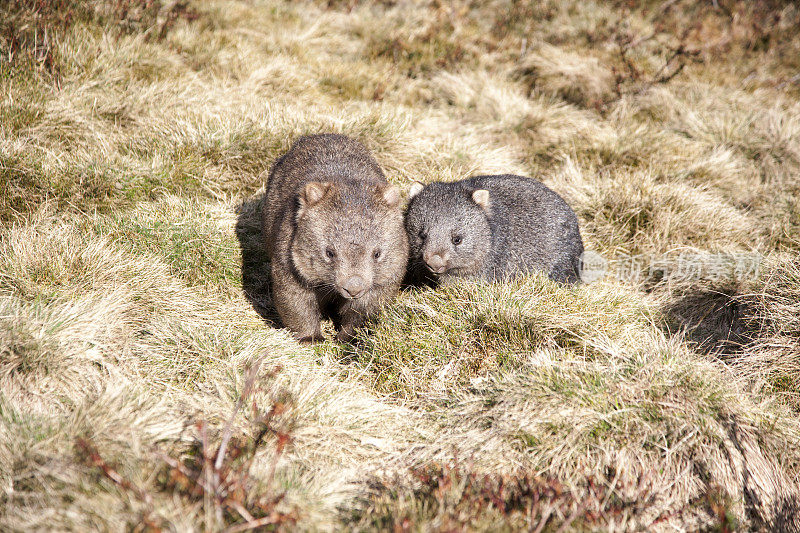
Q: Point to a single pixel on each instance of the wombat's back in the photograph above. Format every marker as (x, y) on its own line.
(532, 228)
(323, 157)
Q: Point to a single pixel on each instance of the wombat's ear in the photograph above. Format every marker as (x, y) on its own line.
(391, 195)
(481, 197)
(414, 190)
(313, 193)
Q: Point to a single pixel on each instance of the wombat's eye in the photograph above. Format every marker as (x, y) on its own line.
(456, 239)
(330, 253)
(423, 234)
(376, 254)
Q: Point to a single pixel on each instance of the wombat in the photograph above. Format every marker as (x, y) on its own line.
(491, 227)
(334, 235)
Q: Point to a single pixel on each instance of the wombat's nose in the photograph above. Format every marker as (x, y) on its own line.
(354, 286)
(436, 263)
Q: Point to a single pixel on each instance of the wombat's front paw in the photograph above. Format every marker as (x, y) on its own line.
(310, 339)
(345, 335)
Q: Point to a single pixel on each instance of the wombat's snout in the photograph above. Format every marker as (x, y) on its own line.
(437, 262)
(354, 287)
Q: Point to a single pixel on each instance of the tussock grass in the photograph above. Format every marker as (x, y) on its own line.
(89, 326)
(576, 79)
(439, 339)
(576, 383)
(134, 145)
(637, 214)
(753, 322)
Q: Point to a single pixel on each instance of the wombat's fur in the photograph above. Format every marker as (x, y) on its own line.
(334, 234)
(491, 227)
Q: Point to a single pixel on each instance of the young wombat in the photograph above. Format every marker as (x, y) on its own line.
(491, 227)
(334, 236)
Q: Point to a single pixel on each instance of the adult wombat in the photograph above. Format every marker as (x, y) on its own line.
(491, 227)
(334, 235)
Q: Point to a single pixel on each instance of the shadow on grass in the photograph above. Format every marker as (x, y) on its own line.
(255, 262)
(712, 319)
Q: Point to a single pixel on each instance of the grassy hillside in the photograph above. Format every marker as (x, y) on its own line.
(144, 385)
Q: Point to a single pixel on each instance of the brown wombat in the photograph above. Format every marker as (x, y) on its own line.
(334, 234)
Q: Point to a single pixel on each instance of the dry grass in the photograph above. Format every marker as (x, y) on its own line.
(135, 138)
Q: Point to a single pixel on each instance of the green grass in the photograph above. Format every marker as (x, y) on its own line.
(445, 337)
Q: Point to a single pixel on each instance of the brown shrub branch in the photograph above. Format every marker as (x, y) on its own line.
(217, 478)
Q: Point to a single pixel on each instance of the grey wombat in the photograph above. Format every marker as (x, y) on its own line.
(334, 236)
(491, 227)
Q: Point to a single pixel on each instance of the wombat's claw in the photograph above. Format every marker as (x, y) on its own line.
(311, 339)
(345, 336)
